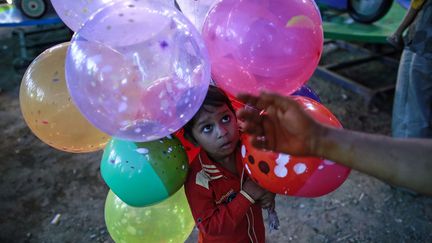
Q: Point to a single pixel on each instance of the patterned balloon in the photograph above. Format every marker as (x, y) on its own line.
(168, 221)
(293, 175)
(272, 45)
(138, 70)
(48, 110)
(74, 13)
(142, 174)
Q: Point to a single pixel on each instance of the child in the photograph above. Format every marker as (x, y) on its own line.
(223, 200)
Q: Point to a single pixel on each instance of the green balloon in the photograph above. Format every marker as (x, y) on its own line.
(168, 221)
(144, 173)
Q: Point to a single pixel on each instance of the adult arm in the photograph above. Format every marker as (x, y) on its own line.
(403, 162)
(285, 127)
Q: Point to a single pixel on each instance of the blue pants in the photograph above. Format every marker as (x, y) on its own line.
(412, 106)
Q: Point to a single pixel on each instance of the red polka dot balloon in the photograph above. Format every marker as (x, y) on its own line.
(293, 175)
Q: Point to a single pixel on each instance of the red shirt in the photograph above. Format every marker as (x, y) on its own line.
(221, 212)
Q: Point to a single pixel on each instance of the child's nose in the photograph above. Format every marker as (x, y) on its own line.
(222, 131)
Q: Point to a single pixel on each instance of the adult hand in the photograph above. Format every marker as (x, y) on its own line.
(279, 124)
(396, 40)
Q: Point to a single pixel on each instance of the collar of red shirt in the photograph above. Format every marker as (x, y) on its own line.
(215, 171)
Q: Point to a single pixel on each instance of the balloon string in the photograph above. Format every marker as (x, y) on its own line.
(196, 12)
(238, 102)
(247, 106)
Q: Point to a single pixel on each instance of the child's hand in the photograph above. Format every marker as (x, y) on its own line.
(267, 201)
(253, 190)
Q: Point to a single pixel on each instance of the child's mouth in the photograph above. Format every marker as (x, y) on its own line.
(226, 145)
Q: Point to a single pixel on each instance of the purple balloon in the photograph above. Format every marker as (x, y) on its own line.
(74, 13)
(306, 91)
(138, 70)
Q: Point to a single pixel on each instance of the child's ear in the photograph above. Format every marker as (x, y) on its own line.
(191, 139)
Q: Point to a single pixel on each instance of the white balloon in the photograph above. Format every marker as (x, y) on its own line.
(196, 10)
(74, 13)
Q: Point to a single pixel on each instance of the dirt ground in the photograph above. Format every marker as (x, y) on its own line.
(38, 183)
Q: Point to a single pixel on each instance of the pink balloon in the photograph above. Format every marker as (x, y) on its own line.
(277, 43)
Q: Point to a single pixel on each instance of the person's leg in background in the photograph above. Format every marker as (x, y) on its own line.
(399, 125)
(419, 103)
(412, 108)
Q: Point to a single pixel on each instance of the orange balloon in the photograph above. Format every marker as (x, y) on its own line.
(48, 109)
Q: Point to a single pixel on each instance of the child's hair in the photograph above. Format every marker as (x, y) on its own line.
(215, 97)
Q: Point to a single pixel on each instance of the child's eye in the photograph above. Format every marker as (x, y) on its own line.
(207, 128)
(226, 119)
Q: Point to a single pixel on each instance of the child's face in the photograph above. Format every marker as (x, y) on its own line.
(216, 131)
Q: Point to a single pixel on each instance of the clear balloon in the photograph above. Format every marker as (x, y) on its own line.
(293, 175)
(74, 13)
(138, 70)
(272, 45)
(142, 174)
(48, 110)
(196, 10)
(168, 221)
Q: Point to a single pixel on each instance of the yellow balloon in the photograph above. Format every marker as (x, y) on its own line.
(168, 221)
(48, 109)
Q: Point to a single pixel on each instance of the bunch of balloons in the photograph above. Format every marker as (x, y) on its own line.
(136, 72)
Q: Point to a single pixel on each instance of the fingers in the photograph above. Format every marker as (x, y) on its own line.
(269, 205)
(281, 102)
(265, 99)
(248, 99)
(266, 205)
(259, 142)
(248, 114)
(267, 201)
(256, 101)
(272, 205)
(251, 122)
(269, 128)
